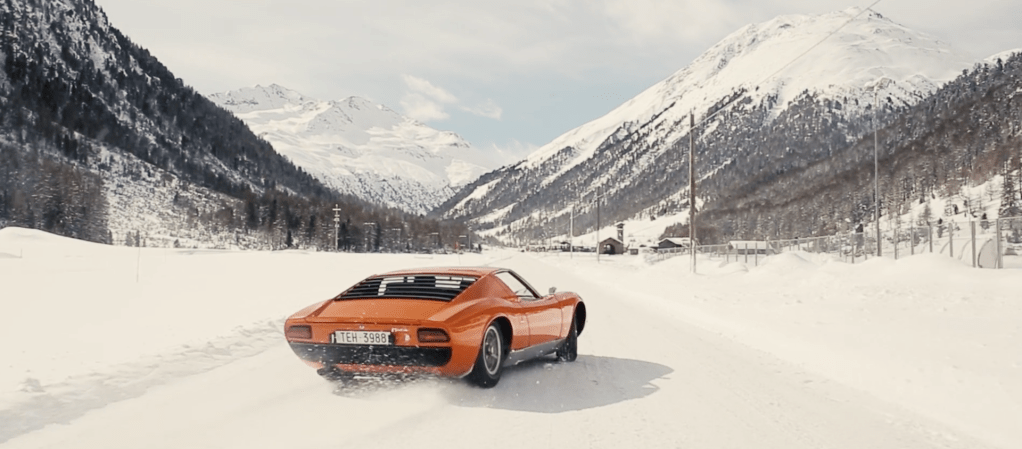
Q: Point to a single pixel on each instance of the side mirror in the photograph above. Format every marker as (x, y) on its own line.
(552, 290)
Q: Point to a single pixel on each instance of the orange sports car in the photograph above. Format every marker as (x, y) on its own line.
(445, 321)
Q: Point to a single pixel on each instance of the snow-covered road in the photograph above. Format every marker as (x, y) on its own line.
(761, 358)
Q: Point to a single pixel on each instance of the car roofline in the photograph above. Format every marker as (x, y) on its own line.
(448, 271)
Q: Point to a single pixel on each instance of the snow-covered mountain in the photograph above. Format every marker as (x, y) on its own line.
(753, 59)
(779, 114)
(359, 147)
(100, 141)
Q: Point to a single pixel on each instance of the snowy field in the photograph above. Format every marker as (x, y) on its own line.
(115, 347)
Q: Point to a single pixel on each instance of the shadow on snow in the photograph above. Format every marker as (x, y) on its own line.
(541, 386)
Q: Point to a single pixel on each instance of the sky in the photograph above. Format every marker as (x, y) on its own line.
(508, 76)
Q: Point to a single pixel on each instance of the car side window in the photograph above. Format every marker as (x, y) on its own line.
(516, 285)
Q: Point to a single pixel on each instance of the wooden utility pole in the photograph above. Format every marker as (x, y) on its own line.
(692, 187)
(337, 226)
(876, 172)
(599, 190)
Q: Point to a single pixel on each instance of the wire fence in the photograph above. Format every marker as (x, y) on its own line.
(991, 244)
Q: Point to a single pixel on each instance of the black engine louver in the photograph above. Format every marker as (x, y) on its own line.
(433, 287)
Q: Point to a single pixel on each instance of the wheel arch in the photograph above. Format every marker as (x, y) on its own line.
(580, 317)
(506, 333)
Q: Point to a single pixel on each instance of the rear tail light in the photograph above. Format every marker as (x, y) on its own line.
(433, 336)
(303, 332)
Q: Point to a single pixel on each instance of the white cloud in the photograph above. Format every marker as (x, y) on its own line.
(423, 109)
(426, 102)
(488, 109)
(423, 87)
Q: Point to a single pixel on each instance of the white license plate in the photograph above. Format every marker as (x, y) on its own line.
(362, 338)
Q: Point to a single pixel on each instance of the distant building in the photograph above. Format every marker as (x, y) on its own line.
(674, 242)
(751, 247)
(612, 245)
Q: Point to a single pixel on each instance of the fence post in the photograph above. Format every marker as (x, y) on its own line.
(1000, 253)
(855, 245)
(972, 224)
(951, 237)
(746, 253)
(929, 236)
(912, 242)
(896, 242)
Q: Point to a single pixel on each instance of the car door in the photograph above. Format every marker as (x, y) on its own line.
(541, 313)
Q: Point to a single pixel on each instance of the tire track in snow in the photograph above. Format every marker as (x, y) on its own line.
(744, 395)
(38, 405)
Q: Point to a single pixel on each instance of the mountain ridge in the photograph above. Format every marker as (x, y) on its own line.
(717, 64)
(798, 116)
(359, 147)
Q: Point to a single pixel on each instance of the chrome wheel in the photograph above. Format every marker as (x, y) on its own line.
(489, 362)
(491, 351)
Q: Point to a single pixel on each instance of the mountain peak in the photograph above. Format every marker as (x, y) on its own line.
(831, 54)
(813, 52)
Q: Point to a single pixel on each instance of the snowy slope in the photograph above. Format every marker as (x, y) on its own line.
(751, 65)
(359, 147)
(753, 58)
(1003, 55)
(799, 352)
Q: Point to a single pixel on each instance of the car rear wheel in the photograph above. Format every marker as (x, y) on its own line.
(568, 351)
(486, 372)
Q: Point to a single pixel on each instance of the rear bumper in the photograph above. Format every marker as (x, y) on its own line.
(402, 357)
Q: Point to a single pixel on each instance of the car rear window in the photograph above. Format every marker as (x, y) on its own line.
(418, 286)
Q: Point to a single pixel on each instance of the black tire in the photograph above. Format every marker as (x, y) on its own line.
(489, 363)
(332, 374)
(568, 351)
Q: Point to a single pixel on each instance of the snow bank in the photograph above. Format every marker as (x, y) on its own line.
(927, 333)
